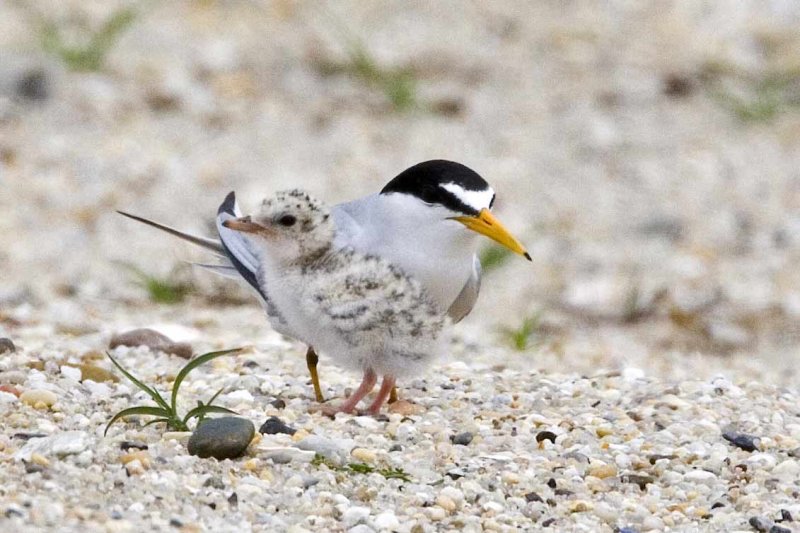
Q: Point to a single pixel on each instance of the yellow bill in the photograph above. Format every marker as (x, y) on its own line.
(486, 224)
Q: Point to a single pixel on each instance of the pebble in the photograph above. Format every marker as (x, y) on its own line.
(96, 373)
(7, 345)
(221, 438)
(747, 443)
(546, 435)
(364, 455)
(278, 403)
(760, 524)
(462, 439)
(355, 515)
(285, 454)
(132, 445)
(38, 398)
(152, 339)
(335, 450)
(275, 425)
(601, 471)
(387, 520)
(405, 408)
(60, 445)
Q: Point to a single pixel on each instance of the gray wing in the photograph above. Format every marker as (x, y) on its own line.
(232, 248)
(466, 299)
(236, 246)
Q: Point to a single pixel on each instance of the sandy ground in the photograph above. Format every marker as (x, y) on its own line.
(647, 152)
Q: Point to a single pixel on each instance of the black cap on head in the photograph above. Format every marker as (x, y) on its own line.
(426, 181)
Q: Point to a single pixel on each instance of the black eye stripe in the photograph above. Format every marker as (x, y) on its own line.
(427, 182)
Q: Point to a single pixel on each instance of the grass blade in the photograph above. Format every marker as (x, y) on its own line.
(194, 363)
(216, 394)
(203, 410)
(150, 391)
(140, 410)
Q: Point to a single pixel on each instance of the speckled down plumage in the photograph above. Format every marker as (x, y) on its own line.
(360, 310)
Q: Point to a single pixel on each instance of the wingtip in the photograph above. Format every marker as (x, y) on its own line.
(228, 205)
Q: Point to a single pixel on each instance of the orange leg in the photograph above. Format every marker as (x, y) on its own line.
(386, 388)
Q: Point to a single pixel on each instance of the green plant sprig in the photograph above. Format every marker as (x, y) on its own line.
(89, 56)
(362, 468)
(165, 412)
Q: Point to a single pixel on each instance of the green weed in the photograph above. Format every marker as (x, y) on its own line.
(520, 338)
(91, 54)
(167, 412)
(361, 468)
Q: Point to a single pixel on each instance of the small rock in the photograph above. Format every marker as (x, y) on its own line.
(96, 373)
(361, 528)
(221, 438)
(61, 444)
(700, 476)
(637, 479)
(387, 520)
(33, 85)
(746, 442)
(141, 456)
(546, 435)
(779, 529)
(153, 340)
(446, 503)
(462, 439)
(71, 373)
(405, 408)
(38, 397)
(284, 454)
(278, 403)
(533, 497)
(335, 450)
(786, 516)
(760, 524)
(128, 445)
(601, 471)
(275, 425)
(364, 455)
(6, 346)
(33, 468)
(355, 515)
(10, 389)
(214, 482)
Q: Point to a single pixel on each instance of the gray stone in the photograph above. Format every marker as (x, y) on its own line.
(7, 346)
(275, 425)
(462, 438)
(221, 438)
(153, 340)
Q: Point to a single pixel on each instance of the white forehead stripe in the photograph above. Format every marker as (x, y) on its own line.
(475, 199)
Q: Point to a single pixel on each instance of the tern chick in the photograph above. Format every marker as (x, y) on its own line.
(361, 310)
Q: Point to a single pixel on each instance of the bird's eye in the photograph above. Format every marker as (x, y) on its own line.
(287, 220)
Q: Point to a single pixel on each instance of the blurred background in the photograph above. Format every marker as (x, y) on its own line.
(647, 152)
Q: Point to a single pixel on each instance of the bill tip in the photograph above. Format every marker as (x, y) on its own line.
(528, 256)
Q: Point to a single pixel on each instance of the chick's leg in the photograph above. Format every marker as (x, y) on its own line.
(312, 359)
(367, 384)
(386, 389)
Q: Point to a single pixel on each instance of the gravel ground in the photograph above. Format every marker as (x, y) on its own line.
(647, 153)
